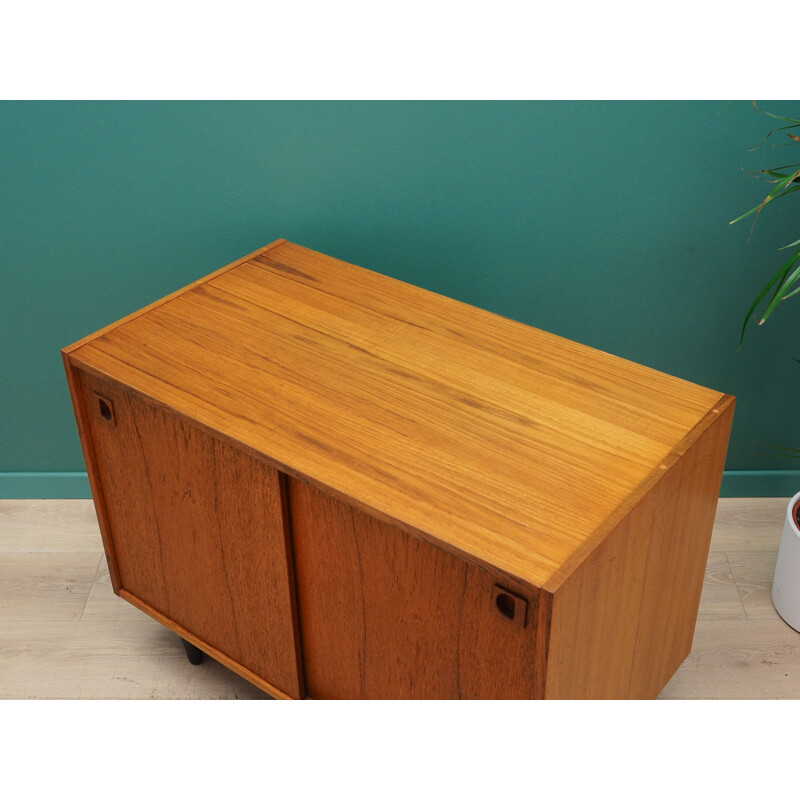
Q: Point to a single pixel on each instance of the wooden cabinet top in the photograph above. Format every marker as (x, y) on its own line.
(512, 446)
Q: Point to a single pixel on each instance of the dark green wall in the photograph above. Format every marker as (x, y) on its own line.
(605, 222)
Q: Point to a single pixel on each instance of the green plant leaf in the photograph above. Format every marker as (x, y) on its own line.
(778, 290)
(783, 288)
(788, 191)
(785, 119)
(775, 169)
(772, 174)
(775, 130)
(791, 294)
(786, 452)
(784, 181)
(769, 198)
(763, 293)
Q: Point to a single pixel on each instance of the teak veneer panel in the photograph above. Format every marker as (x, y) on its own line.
(335, 483)
(198, 531)
(462, 427)
(624, 621)
(385, 615)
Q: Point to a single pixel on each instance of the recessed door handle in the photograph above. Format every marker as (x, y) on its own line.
(513, 607)
(105, 408)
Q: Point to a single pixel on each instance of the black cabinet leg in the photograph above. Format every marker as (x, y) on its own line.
(195, 654)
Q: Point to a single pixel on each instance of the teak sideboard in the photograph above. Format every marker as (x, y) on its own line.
(340, 485)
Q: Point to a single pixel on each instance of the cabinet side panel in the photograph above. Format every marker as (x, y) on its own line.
(199, 530)
(623, 622)
(385, 615)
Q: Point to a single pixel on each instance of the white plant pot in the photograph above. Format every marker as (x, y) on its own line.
(786, 584)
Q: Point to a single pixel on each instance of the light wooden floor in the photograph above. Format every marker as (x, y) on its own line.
(64, 634)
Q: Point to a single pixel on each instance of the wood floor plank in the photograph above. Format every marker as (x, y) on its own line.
(739, 659)
(49, 526)
(87, 660)
(45, 587)
(720, 598)
(104, 607)
(753, 574)
(749, 524)
(109, 651)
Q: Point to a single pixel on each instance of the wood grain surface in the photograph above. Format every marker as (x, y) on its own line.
(623, 622)
(720, 597)
(199, 532)
(740, 659)
(48, 526)
(56, 591)
(754, 526)
(497, 441)
(384, 615)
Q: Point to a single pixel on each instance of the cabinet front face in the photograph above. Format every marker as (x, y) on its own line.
(384, 614)
(197, 528)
